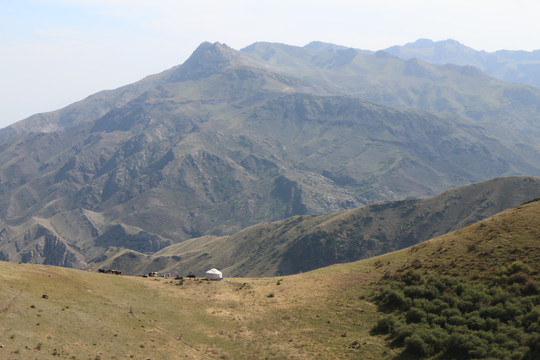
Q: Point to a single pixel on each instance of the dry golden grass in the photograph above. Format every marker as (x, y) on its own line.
(323, 314)
(89, 315)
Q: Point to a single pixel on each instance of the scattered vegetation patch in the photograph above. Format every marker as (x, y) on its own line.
(497, 317)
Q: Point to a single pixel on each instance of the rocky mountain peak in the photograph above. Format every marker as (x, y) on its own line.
(319, 45)
(420, 44)
(206, 60)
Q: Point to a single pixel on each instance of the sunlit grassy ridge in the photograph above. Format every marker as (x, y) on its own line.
(324, 314)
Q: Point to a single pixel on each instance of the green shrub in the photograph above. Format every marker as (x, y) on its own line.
(488, 336)
(510, 312)
(491, 324)
(457, 320)
(530, 288)
(518, 278)
(475, 296)
(494, 312)
(411, 277)
(415, 315)
(451, 312)
(466, 306)
(514, 290)
(475, 323)
(439, 306)
(439, 284)
(426, 305)
(415, 345)
(533, 344)
(425, 340)
(423, 291)
(449, 299)
(510, 345)
(530, 318)
(438, 320)
(436, 337)
(467, 345)
(498, 295)
(401, 332)
(515, 267)
(385, 325)
(460, 289)
(394, 299)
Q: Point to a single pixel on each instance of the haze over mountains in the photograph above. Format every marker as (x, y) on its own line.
(512, 66)
(232, 138)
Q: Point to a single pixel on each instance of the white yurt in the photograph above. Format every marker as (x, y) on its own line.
(214, 274)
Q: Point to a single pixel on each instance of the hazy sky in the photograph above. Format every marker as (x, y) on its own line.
(55, 52)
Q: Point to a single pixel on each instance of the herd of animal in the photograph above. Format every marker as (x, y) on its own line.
(110, 271)
(150, 274)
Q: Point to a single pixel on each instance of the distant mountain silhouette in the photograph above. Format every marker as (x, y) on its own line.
(513, 66)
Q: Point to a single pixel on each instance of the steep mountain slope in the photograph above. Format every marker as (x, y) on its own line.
(222, 142)
(88, 109)
(304, 243)
(130, 168)
(512, 66)
(327, 313)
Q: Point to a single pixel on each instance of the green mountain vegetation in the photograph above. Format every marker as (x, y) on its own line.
(482, 303)
(307, 242)
(484, 279)
(231, 139)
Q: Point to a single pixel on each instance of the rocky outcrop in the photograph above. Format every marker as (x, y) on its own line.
(47, 248)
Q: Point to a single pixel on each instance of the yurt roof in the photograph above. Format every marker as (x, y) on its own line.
(213, 271)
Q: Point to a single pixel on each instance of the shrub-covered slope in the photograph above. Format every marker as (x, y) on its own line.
(473, 293)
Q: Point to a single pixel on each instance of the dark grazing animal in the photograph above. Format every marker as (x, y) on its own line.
(110, 271)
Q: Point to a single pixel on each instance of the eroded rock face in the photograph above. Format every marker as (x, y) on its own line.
(47, 248)
(4, 256)
(141, 241)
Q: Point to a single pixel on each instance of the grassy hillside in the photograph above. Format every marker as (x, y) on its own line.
(90, 315)
(304, 243)
(328, 313)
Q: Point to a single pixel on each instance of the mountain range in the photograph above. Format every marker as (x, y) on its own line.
(230, 139)
(512, 66)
